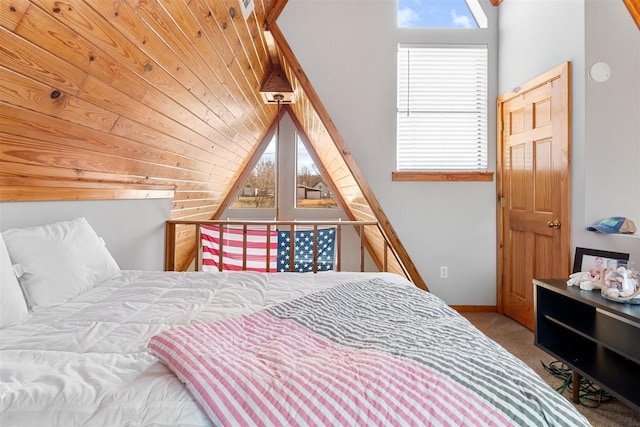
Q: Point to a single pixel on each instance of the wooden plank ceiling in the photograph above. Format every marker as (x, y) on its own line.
(133, 98)
(633, 6)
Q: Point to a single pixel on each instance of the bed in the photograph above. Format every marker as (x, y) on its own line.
(136, 348)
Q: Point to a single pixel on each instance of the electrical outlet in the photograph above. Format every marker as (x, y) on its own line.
(444, 272)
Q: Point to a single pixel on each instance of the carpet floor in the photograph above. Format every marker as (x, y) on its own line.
(519, 341)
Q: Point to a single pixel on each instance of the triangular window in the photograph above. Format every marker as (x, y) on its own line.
(312, 190)
(259, 190)
(441, 14)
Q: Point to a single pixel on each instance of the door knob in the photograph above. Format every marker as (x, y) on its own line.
(553, 224)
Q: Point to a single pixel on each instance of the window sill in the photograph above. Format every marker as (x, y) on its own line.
(441, 176)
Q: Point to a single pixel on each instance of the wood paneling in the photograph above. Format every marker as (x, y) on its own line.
(136, 99)
(634, 9)
(441, 176)
(130, 99)
(21, 189)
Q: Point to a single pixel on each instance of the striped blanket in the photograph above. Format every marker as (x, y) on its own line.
(360, 353)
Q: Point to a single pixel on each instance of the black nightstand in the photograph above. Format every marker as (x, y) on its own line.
(597, 338)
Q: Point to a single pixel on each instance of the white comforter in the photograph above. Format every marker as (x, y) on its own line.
(85, 363)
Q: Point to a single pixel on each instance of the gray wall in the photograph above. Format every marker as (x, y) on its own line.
(133, 230)
(348, 51)
(351, 64)
(605, 177)
(612, 125)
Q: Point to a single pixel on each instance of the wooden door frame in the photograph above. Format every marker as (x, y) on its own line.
(563, 73)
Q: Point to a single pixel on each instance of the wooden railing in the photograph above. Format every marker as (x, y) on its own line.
(269, 226)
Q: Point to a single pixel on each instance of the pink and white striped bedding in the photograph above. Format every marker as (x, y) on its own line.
(365, 352)
(86, 362)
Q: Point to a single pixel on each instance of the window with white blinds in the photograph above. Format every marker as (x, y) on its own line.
(442, 108)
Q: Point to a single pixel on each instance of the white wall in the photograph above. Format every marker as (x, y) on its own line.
(605, 177)
(348, 50)
(612, 126)
(133, 230)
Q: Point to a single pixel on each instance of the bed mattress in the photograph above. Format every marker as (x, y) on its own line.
(86, 363)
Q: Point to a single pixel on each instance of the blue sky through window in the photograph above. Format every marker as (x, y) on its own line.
(435, 14)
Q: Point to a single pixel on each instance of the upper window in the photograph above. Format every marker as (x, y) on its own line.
(441, 14)
(442, 108)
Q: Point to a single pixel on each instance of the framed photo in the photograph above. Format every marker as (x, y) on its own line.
(595, 260)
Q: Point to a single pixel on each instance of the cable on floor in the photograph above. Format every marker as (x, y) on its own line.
(590, 395)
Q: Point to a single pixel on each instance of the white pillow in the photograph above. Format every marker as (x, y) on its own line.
(59, 261)
(13, 308)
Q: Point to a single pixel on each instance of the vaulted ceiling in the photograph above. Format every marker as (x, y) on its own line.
(138, 99)
(134, 99)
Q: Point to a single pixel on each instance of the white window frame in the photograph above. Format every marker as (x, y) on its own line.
(442, 130)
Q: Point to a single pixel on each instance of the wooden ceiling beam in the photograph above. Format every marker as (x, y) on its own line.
(274, 13)
(634, 9)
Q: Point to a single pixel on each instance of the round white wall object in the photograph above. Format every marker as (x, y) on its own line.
(599, 72)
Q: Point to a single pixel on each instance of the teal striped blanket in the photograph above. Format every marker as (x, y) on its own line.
(361, 353)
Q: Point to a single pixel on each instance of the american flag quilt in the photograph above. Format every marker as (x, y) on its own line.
(368, 352)
(273, 249)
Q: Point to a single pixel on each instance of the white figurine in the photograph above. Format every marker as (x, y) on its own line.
(584, 280)
(627, 288)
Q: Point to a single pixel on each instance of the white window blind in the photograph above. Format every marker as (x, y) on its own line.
(442, 108)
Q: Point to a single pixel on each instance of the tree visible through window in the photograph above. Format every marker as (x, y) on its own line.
(259, 190)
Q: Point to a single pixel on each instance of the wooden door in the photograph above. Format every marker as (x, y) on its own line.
(533, 190)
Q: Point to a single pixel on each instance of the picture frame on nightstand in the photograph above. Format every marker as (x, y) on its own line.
(587, 259)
